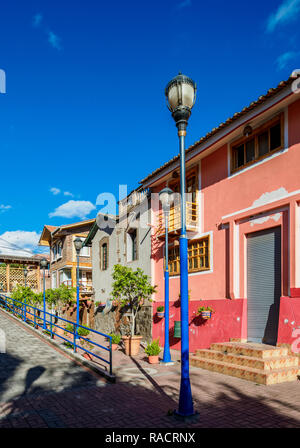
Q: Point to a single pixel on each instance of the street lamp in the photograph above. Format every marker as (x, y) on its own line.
(25, 271)
(166, 197)
(44, 264)
(78, 247)
(181, 94)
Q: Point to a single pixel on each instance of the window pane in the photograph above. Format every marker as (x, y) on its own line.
(239, 156)
(250, 150)
(275, 137)
(263, 143)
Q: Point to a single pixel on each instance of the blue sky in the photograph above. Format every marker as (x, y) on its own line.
(84, 108)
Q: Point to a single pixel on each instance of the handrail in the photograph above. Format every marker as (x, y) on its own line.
(175, 218)
(10, 305)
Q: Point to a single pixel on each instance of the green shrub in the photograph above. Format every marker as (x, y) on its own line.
(160, 309)
(83, 331)
(205, 308)
(115, 338)
(153, 349)
(69, 327)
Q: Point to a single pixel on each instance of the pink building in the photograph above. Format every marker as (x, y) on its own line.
(243, 222)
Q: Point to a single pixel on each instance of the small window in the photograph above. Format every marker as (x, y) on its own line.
(250, 150)
(264, 141)
(103, 254)
(132, 252)
(59, 250)
(275, 137)
(263, 144)
(198, 257)
(85, 250)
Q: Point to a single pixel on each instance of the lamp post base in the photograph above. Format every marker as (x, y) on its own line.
(186, 418)
(167, 363)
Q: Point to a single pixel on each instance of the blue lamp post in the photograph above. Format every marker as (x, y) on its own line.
(181, 95)
(78, 247)
(25, 271)
(44, 264)
(166, 197)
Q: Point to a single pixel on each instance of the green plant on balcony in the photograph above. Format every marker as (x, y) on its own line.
(205, 312)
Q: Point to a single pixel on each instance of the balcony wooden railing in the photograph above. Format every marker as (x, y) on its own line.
(175, 219)
(84, 285)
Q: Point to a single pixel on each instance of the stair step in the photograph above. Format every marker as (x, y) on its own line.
(247, 373)
(249, 361)
(261, 351)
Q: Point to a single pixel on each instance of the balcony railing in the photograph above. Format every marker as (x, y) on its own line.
(175, 219)
(84, 285)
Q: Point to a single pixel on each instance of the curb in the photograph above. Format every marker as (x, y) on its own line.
(75, 356)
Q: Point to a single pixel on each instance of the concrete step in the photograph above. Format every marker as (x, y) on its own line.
(247, 373)
(249, 361)
(251, 349)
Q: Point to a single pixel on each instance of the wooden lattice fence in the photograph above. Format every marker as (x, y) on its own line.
(10, 277)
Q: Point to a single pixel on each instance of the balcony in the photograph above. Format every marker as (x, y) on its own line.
(175, 220)
(85, 286)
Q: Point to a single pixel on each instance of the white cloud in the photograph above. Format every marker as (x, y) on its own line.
(4, 208)
(184, 4)
(72, 209)
(19, 242)
(286, 12)
(67, 193)
(54, 190)
(54, 40)
(283, 60)
(37, 19)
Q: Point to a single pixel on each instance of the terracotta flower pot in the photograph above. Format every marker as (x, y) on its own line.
(132, 344)
(153, 359)
(206, 314)
(114, 347)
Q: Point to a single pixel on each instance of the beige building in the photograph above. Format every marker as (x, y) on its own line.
(63, 261)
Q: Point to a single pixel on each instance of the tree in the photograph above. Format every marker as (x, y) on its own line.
(130, 288)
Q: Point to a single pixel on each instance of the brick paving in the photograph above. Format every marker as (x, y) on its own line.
(40, 387)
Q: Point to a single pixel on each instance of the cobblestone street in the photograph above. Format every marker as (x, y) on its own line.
(41, 387)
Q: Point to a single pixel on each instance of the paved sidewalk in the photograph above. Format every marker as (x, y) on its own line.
(41, 387)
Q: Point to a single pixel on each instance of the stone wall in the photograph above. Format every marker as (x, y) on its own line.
(117, 322)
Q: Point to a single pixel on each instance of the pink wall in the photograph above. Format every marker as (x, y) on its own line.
(221, 196)
(289, 320)
(225, 323)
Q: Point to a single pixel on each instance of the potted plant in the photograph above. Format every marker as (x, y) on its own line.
(205, 312)
(130, 288)
(153, 350)
(115, 341)
(160, 311)
(100, 304)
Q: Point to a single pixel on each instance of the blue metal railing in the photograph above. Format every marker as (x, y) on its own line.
(38, 319)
